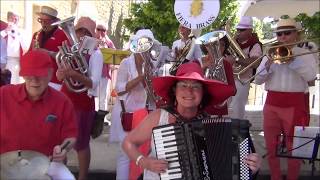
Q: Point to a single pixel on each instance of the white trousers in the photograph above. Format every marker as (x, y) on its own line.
(123, 164)
(104, 94)
(239, 101)
(58, 171)
(13, 65)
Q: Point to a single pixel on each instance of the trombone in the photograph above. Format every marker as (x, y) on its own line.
(279, 54)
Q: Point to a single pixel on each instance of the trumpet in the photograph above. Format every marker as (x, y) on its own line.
(278, 53)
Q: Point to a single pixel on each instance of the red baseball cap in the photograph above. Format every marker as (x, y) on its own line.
(35, 63)
(218, 90)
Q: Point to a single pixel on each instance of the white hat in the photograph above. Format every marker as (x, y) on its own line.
(49, 11)
(245, 23)
(144, 33)
(286, 25)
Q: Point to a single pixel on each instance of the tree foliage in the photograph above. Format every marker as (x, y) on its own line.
(311, 24)
(159, 16)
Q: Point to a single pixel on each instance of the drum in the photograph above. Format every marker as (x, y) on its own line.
(24, 164)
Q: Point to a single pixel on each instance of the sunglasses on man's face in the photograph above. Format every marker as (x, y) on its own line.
(40, 20)
(241, 30)
(287, 33)
(102, 30)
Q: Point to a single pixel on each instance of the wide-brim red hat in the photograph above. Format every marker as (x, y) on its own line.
(218, 91)
(35, 63)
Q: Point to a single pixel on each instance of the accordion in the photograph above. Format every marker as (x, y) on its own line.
(211, 148)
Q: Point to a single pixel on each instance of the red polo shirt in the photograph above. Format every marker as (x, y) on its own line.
(37, 126)
(51, 44)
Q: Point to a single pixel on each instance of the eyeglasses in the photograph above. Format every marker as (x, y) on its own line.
(103, 30)
(40, 20)
(194, 86)
(287, 33)
(241, 30)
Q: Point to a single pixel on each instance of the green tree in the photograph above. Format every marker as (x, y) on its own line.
(159, 16)
(311, 24)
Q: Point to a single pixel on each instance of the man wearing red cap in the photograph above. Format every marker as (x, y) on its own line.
(44, 117)
(49, 38)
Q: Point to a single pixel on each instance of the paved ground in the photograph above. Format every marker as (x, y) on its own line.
(103, 163)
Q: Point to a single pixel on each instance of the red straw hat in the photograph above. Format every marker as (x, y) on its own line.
(192, 71)
(35, 63)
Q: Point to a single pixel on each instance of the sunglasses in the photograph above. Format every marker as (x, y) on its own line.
(287, 33)
(44, 20)
(102, 30)
(241, 30)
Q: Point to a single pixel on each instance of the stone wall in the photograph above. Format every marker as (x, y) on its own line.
(110, 12)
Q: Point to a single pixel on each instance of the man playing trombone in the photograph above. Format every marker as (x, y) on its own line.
(286, 79)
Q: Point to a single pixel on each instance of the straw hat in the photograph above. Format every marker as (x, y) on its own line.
(49, 11)
(217, 90)
(286, 25)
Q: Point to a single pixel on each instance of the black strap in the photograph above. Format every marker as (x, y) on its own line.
(122, 106)
(181, 119)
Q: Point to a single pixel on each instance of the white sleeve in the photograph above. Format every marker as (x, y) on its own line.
(304, 65)
(262, 74)
(3, 55)
(123, 75)
(95, 69)
(256, 51)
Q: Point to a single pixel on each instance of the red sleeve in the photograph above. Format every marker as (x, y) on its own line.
(69, 124)
(229, 73)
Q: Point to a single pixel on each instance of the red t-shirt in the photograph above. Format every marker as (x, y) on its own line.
(52, 44)
(37, 126)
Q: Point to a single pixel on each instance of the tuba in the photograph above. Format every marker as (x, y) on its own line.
(71, 56)
(211, 42)
(149, 50)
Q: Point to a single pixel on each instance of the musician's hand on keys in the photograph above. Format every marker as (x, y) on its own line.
(59, 155)
(154, 165)
(254, 162)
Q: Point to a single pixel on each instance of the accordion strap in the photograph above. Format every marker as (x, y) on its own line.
(179, 118)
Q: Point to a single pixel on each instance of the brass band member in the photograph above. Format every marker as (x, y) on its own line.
(84, 102)
(49, 38)
(179, 45)
(188, 93)
(131, 90)
(221, 109)
(251, 46)
(285, 104)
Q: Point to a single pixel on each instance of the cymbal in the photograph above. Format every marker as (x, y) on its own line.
(24, 164)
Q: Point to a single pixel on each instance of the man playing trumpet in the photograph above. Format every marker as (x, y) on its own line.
(285, 107)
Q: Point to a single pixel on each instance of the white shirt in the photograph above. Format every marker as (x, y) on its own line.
(133, 100)
(136, 97)
(180, 44)
(95, 71)
(254, 52)
(288, 77)
(3, 46)
(15, 38)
